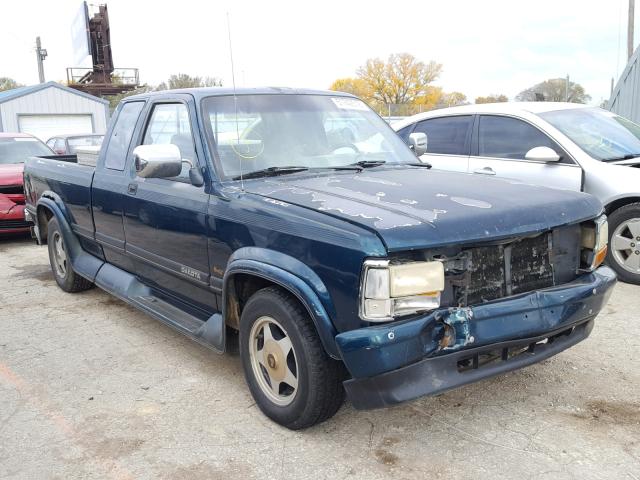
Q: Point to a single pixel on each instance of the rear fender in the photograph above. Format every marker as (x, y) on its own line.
(83, 263)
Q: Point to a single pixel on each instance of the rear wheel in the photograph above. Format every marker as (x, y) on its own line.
(292, 379)
(66, 278)
(624, 242)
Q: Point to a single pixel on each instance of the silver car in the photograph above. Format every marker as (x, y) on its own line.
(561, 145)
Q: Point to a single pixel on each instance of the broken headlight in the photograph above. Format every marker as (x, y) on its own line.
(390, 291)
(594, 240)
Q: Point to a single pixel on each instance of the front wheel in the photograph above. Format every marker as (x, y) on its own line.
(292, 379)
(66, 278)
(624, 243)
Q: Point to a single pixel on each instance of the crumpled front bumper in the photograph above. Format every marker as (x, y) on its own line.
(12, 218)
(401, 361)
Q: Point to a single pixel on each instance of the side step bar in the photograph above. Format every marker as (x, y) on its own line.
(210, 333)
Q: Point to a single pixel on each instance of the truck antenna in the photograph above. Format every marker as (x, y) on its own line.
(235, 98)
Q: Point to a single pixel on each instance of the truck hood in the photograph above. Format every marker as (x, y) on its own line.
(414, 208)
(11, 174)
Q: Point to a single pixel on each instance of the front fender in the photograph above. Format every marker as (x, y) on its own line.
(83, 263)
(295, 277)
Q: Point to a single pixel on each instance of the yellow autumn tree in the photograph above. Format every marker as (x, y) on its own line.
(399, 80)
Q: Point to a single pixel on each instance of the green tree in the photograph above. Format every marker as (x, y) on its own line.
(114, 100)
(554, 90)
(182, 80)
(399, 80)
(7, 83)
(494, 98)
(452, 99)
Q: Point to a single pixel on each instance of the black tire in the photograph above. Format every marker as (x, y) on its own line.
(66, 278)
(319, 392)
(615, 219)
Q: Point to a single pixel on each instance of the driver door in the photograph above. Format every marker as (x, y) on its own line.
(499, 147)
(165, 219)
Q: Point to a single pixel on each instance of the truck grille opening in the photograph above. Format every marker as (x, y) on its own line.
(490, 356)
(520, 266)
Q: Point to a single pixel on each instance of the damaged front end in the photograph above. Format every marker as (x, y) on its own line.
(500, 306)
(12, 209)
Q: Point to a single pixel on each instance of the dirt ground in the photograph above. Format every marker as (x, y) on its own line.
(91, 388)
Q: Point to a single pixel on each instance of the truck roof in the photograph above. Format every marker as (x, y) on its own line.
(199, 93)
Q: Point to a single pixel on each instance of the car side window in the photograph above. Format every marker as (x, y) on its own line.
(169, 124)
(506, 137)
(115, 156)
(51, 142)
(404, 132)
(446, 135)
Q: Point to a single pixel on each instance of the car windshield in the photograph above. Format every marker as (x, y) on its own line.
(88, 141)
(18, 149)
(302, 131)
(603, 135)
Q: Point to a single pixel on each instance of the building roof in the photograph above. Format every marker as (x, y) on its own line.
(12, 94)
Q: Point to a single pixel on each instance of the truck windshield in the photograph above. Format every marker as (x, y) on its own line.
(18, 149)
(278, 132)
(603, 135)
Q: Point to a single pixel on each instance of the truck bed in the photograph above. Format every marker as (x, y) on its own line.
(60, 176)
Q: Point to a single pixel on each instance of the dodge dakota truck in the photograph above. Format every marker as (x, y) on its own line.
(298, 223)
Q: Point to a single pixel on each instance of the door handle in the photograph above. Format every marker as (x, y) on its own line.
(132, 188)
(485, 171)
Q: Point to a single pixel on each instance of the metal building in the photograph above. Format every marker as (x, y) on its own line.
(625, 98)
(49, 109)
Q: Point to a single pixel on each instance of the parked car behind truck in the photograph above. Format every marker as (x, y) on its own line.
(561, 145)
(343, 263)
(15, 148)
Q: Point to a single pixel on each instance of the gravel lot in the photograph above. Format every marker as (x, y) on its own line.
(91, 388)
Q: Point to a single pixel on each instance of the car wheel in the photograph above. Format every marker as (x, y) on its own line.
(292, 379)
(66, 278)
(624, 243)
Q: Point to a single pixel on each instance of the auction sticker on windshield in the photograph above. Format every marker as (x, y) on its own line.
(349, 103)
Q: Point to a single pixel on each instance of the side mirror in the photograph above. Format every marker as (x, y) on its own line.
(157, 161)
(542, 154)
(418, 143)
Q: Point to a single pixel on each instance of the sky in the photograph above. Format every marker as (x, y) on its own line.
(486, 47)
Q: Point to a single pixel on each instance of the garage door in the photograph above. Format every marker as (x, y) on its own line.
(47, 126)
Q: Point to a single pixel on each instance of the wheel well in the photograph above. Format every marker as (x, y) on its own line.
(43, 217)
(240, 288)
(621, 202)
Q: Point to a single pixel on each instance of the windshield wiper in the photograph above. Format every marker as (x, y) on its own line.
(420, 164)
(270, 172)
(628, 156)
(367, 163)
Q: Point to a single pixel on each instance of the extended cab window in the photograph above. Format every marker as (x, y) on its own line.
(446, 135)
(169, 124)
(115, 156)
(505, 137)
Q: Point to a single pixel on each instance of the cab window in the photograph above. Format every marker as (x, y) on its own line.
(169, 124)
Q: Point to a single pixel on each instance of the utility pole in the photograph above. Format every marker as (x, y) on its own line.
(41, 54)
(566, 89)
(632, 7)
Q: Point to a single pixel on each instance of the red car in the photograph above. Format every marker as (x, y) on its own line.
(15, 148)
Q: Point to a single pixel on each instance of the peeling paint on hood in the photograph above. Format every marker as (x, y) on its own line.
(409, 209)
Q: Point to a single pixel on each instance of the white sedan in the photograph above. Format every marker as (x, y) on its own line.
(562, 145)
